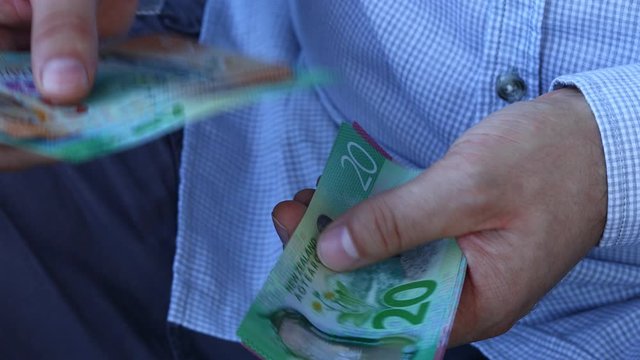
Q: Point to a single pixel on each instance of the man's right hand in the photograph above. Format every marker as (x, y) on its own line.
(63, 37)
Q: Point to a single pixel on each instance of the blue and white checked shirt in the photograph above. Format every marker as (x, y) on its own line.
(416, 75)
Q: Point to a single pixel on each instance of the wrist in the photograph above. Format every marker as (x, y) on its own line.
(569, 107)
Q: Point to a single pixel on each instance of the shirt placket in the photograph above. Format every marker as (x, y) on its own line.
(511, 58)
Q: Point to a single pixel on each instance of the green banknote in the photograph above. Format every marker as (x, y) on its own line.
(144, 88)
(402, 308)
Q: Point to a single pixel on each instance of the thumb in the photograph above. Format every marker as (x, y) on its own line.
(443, 201)
(64, 48)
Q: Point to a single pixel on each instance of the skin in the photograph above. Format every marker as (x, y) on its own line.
(63, 37)
(524, 192)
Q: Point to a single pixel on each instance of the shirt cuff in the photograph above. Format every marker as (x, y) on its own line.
(614, 96)
(149, 7)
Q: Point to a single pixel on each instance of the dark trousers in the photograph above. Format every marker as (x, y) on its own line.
(86, 255)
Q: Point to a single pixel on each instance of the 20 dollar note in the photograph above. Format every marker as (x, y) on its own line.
(401, 308)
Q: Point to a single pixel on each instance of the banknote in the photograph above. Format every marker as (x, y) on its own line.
(401, 308)
(145, 87)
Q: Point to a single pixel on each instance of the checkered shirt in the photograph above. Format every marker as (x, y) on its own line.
(416, 75)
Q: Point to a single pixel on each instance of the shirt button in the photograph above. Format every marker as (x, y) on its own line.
(510, 87)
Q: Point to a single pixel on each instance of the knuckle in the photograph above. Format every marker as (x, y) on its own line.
(75, 28)
(15, 13)
(478, 190)
(386, 229)
(280, 208)
(474, 173)
(479, 187)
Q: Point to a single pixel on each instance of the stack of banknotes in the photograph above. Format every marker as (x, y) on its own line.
(144, 88)
(401, 308)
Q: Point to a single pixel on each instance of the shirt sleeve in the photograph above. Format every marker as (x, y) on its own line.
(614, 96)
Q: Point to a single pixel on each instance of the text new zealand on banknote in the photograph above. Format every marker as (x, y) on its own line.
(402, 308)
(144, 88)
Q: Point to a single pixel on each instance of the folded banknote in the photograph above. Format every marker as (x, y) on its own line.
(144, 88)
(401, 308)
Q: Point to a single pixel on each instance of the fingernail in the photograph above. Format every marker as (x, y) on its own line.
(336, 249)
(283, 234)
(64, 75)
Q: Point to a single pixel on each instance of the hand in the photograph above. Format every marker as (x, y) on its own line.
(63, 36)
(524, 192)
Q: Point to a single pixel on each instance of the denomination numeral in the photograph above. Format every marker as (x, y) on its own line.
(391, 299)
(414, 319)
(365, 180)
